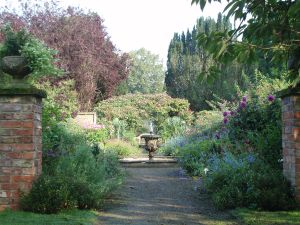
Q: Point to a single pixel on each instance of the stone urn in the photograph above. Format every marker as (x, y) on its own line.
(16, 66)
(151, 143)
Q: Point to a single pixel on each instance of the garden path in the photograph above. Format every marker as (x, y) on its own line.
(161, 195)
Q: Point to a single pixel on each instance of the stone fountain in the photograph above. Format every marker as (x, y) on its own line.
(151, 141)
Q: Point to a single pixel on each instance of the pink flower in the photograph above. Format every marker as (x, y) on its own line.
(243, 104)
(271, 98)
(225, 120)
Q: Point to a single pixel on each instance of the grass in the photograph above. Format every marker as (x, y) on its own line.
(73, 217)
(251, 217)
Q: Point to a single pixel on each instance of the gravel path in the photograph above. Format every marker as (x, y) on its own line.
(162, 196)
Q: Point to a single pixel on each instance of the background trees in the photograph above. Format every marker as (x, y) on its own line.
(187, 67)
(146, 73)
(87, 56)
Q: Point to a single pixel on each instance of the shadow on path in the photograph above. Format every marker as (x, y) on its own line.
(161, 196)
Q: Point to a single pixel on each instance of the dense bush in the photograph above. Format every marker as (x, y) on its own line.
(136, 110)
(79, 180)
(121, 148)
(256, 123)
(246, 181)
(84, 174)
(173, 126)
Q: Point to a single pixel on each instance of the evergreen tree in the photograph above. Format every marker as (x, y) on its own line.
(188, 64)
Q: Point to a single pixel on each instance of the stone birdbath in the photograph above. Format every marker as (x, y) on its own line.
(151, 143)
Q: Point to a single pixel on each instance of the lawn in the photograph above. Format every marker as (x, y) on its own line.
(250, 217)
(73, 217)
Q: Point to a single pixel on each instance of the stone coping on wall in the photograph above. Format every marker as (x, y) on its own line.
(288, 92)
(22, 89)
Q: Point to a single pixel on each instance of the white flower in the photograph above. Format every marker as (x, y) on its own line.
(206, 170)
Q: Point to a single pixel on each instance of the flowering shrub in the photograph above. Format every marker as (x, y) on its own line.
(246, 181)
(135, 109)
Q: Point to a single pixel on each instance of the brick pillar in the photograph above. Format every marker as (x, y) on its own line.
(291, 137)
(20, 142)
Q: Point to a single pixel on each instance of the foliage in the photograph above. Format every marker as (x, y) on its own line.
(146, 74)
(173, 126)
(195, 155)
(39, 57)
(85, 51)
(48, 195)
(245, 181)
(252, 36)
(137, 109)
(61, 102)
(84, 217)
(187, 64)
(119, 127)
(83, 173)
(252, 217)
(79, 179)
(97, 136)
(258, 124)
(205, 120)
(121, 148)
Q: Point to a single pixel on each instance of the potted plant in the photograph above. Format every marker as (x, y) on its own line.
(22, 54)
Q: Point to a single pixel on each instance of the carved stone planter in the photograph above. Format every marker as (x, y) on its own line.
(16, 66)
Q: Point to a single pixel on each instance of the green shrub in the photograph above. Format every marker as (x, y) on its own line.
(97, 136)
(173, 126)
(135, 109)
(49, 194)
(205, 120)
(79, 179)
(246, 181)
(194, 156)
(40, 58)
(121, 148)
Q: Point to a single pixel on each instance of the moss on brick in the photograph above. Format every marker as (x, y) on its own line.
(21, 89)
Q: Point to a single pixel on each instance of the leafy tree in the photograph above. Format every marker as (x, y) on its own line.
(272, 27)
(187, 63)
(146, 74)
(86, 53)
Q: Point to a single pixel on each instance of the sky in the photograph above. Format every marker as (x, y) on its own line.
(149, 24)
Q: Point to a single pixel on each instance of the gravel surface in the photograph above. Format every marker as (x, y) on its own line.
(161, 195)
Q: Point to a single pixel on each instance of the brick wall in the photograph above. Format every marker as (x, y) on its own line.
(291, 140)
(20, 146)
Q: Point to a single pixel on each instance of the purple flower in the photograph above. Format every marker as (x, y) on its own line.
(251, 159)
(244, 99)
(218, 135)
(271, 98)
(243, 104)
(225, 114)
(225, 120)
(232, 113)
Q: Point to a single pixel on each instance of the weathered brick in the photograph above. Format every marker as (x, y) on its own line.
(4, 179)
(5, 132)
(9, 186)
(21, 155)
(16, 124)
(23, 147)
(22, 132)
(22, 163)
(26, 179)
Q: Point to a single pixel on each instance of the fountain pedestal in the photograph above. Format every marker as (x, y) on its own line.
(151, 144)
